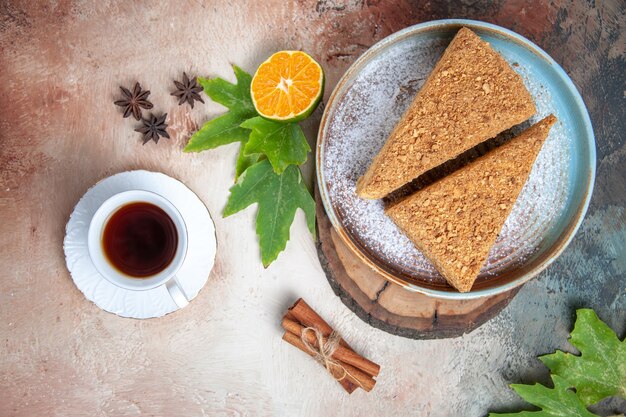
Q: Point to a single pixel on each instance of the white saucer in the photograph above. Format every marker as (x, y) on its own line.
(150, 303)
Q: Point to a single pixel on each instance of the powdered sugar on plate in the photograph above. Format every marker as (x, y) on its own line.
(360, 121)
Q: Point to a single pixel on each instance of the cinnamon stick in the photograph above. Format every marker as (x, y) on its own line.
(342, 353)
(307, 317)
(346, 383)
(303, 313)
(356, 376)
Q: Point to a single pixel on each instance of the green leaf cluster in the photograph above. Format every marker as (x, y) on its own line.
(266, 169)
(598, 372)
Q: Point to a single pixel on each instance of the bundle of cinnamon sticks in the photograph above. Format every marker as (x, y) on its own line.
(350, 369)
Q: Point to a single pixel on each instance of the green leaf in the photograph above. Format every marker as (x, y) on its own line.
(226, 128)
(217, 132)
(283, 143)
(244, 161)
(278, 198)
(559, 401)
(600, 369)
(236, 97)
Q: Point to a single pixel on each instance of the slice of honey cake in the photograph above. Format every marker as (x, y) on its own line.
(471, 95)
(455, 221)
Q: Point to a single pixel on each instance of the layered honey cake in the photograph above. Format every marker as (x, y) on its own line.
(471, 95)
(455, 221)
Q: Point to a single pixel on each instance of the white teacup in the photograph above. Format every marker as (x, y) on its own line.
(167, 276)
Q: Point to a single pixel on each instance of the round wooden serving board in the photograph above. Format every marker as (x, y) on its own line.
(388, 306)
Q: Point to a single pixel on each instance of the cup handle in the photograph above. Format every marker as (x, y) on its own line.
(176, 292)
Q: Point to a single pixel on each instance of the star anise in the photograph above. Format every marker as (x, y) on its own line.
(153, 128)
(187, 90)
(134, 101)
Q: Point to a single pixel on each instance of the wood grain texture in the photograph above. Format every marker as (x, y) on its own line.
(61, 63)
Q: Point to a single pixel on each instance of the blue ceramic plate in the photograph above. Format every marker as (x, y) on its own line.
(370, 99)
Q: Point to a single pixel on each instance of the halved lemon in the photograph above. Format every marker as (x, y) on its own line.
(287, 87)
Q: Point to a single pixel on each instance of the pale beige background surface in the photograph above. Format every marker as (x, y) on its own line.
(60, 67)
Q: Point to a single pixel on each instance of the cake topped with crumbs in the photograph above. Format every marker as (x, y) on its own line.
(471, 95)
(457, 219)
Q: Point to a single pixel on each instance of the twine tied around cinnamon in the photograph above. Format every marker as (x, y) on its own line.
(324, 352)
